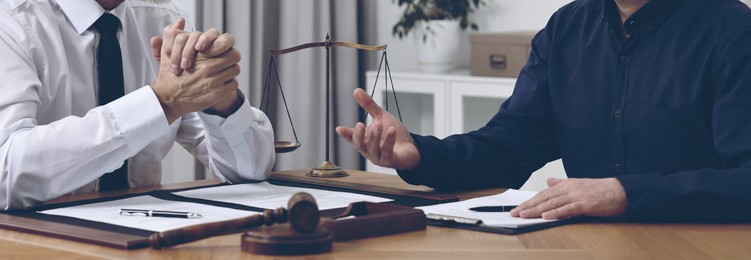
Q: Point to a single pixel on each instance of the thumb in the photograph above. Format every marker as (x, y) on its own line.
(180, 23)
(222, 44)
(156, 47)
(554, 181)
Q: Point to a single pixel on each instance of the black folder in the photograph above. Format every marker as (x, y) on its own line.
(499, 230)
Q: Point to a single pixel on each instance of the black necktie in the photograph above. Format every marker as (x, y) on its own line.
(111, 86)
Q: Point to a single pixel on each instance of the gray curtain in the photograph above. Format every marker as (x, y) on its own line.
(259, 25)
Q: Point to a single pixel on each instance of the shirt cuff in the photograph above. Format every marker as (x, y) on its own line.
(139, 118)
(647, 194)
(417, 175)
(235, 106)
(234, 125)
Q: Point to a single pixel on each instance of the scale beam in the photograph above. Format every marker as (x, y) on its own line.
(323, 44)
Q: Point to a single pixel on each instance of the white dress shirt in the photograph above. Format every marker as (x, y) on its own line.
(54, 139)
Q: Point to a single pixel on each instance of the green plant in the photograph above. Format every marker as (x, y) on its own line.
(424, 10)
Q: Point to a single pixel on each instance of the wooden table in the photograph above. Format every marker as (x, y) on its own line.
(574, 241)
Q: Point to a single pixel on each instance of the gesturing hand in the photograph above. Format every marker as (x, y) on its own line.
(393, 147)
(575, 197)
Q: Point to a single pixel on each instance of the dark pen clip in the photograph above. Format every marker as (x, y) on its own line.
(126, 212)
(454, 219)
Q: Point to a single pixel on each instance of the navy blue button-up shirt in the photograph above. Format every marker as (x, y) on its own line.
(661, 101)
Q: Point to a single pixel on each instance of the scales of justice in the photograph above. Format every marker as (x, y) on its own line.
(327, 169)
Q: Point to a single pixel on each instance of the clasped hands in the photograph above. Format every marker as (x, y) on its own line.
(197, 71)
(387, 142)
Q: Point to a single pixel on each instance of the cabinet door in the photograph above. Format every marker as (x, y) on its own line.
(473, 103)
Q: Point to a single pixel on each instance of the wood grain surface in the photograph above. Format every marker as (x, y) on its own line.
(574, 241)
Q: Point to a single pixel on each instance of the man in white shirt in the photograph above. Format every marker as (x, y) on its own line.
(55, 138)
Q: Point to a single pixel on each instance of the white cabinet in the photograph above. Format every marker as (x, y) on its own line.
(442, 104)
(474, 100)
(446, 104)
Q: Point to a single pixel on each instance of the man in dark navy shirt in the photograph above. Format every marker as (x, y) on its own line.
(648, 103)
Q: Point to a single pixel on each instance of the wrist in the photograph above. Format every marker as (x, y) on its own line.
(227, 108)
(169, 112)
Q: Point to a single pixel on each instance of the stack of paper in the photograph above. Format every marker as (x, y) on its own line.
(268, 196)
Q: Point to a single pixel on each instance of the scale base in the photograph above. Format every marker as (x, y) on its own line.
(327, 169)
(284, 240)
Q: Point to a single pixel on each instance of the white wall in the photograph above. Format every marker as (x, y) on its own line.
(495, 16)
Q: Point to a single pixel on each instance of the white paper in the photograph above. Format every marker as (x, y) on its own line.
(109, 212)
(495, 219)
(267, 196)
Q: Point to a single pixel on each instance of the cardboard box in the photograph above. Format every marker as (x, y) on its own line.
(499, 54)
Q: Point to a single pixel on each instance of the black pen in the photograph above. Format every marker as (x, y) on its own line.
(493, 208)
(159, 213)
(454, 219)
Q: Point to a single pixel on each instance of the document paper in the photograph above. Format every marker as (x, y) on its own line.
(109, 212)
(260, 195)
(510, 197)
(268, 196)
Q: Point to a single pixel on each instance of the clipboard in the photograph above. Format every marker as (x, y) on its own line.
(466, 214)
(478, 226)
(298, 177)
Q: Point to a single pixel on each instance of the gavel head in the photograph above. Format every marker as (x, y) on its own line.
(303, 212)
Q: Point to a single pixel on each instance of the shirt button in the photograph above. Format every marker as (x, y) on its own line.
(624, 58)
(650, 28)
(230, 127)
(617, 167)
(617, 113)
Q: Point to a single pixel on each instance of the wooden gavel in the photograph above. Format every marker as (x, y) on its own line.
(302, 213)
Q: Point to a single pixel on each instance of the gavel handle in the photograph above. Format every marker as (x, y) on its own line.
(192, 233)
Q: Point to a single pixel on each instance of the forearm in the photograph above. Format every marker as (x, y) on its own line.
(235, 149)
(470, 161)
(696, 195)
(42, 162)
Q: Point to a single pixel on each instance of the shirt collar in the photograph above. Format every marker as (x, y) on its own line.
(84, 13)
(651, 15)
(14, 4)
